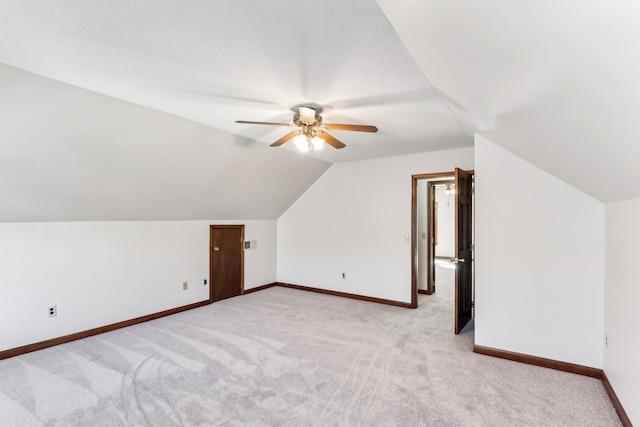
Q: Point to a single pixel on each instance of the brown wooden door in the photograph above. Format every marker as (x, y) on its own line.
(463, 249)
(226, 261)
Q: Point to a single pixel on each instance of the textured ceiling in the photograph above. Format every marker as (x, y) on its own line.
(206, 64)
(120, 109)
(215, 62)
(68, 154)
(554, 82)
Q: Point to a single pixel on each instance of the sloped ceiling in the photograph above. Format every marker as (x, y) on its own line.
(554, 82)
(68, 154)
(205, 64)
(117, 110)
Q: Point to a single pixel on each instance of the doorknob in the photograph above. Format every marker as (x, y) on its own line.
(215, 248)
(456, 260)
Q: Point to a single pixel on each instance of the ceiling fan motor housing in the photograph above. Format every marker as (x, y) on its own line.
(298, 120)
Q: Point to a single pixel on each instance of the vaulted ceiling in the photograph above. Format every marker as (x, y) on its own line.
(125, 110)
(554, 82)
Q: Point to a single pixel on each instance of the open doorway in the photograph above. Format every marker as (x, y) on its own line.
(436, 231)
(442, 242)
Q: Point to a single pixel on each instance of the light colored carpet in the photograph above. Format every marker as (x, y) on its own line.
(283, 357)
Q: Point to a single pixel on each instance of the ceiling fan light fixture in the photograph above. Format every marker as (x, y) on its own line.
(305, 143)
(302, 143)
(317, 143)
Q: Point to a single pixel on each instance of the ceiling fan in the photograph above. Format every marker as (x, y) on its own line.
(311, 134)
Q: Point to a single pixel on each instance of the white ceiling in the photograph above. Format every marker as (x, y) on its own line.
(120, 109)
(218, 61)
(68, 154)
(211, 63)
(556, 83)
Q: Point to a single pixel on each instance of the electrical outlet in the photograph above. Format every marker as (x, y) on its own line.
(185, 285)
(606, 340)
(344, 275)
(53, 311)
(205, 281)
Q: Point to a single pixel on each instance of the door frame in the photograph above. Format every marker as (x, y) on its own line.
(432, 226)
(226, 226)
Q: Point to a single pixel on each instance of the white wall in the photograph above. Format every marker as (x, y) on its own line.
(353, 219)
(539, 261)
(446, 224)
(622, 293)
(98, 273)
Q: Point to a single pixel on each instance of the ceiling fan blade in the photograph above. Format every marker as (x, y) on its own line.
(285, 138)
(331, 140)
(357, 128)
(246, 122)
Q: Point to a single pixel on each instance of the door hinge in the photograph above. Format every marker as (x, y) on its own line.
(473, 304)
